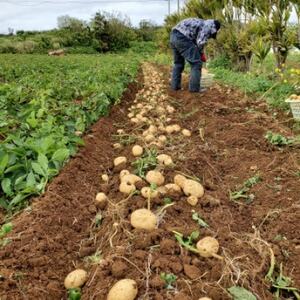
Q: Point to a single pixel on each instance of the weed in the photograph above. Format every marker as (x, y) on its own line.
(145, 163)
(279, 282)
(278, 139)
(169, 280)
(94, 259)
(199, 220)
(187, 242)
(74, 294)
(242, 193)
(98, 220)
(5, 229)
(167, 201)
(125, 139)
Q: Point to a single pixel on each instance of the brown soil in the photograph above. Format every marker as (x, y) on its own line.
(59, 231)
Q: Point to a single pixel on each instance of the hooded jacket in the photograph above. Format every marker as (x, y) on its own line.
(197, 30)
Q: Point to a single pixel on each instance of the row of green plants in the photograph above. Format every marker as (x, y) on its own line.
(104, 32)
(46, 104)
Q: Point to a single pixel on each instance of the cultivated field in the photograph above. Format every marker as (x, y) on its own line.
(238, 185)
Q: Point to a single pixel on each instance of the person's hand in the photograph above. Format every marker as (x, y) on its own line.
(203, 57)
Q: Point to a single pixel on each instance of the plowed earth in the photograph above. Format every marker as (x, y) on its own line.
(59, 232)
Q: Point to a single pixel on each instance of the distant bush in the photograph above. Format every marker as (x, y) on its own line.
(221, 61)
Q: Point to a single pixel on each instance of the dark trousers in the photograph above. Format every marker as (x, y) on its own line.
(185, 49)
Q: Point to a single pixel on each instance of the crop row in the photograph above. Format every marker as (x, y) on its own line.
(46, 104)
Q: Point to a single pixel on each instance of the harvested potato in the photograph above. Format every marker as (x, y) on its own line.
(193, 188)
(169, 129)
(155, 177)
(149, 138)
(192, 200)
(100, 197)
(204, 298)
(117, 146)
(165, 159)
(137, 150)
(130, 179)
(179, 180)
(127, 188)
(123, 173)
(143, 219)
(152, 129)
(173, 187)
(120, 131)
(162, 138)
(120, 160)
(130, 115)
(104, 177)
(78, 133)
(186, 132)
(208, 247)
(134, 120)
(147, 192)
(176, 128)
(161, 190)
(76, 279)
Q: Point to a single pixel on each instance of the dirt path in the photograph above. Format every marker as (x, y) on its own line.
(227, 147)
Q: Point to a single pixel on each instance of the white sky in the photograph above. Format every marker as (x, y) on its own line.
(42, 14)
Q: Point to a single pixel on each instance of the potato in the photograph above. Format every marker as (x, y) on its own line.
(165, 159)
(137, 150)
(176, 128)
(117, 146)
(169, 129)
(120, 160)
(192, 200)
(127, 188)
(179, 180)
(130, 115)
(152, 129)
(120, 131)
(134, 120)
(173, 187)
(208, 246)
(204, 298)
(193, 188)
(143, 219)
(186, 132)
(100, 198)
(76, 279)
(123, 173)
(104, 177)
(149, 138)
(155, 177)
(130, 179)
(162, 138)
(147, 192)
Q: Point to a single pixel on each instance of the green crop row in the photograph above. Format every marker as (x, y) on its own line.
(45, 105)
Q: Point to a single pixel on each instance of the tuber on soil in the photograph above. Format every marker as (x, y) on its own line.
(137, 150)
(120, 160)
(186, 132)
(126, 188)
(192, 200)
(179, 180)
(130, 179)
(193, 188)
(165, 159)
(143, 219)
(100, 199)
(208, 247)
(75, 279)
(147, 192)
(125, 289)
(155, 177)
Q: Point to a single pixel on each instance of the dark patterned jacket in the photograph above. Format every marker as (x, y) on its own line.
(197, 30)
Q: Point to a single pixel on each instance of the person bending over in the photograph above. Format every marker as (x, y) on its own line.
(188, 39)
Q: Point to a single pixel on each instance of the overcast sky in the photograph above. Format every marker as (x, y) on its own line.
(42, 14)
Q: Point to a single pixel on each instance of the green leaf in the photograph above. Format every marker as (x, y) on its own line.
(60, 155)
(240, 293)
(6, 186)
(37, 168)
(17, 200)
(43, 161)
(3, 163)
(3, 203)
(30, 180)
